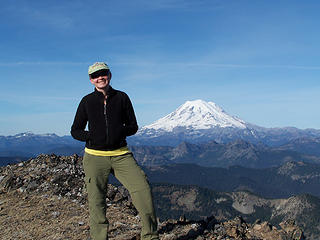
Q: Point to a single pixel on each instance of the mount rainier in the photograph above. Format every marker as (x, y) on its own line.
(196, 114)
(200, 121)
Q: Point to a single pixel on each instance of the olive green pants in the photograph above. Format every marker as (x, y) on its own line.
(127, 171)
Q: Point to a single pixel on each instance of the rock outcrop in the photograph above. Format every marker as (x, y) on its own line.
(45, 198)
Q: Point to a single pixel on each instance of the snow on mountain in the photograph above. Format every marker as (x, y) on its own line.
(30, 134)
(197, 114)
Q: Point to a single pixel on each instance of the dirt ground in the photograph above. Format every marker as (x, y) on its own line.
(35, 216)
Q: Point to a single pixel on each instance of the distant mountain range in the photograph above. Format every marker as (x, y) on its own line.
(197, 132)
(211, 154)
(29, 144)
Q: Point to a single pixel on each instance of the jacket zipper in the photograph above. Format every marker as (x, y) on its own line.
(106, 119)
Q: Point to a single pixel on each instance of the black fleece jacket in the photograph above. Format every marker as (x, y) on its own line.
(109, 124)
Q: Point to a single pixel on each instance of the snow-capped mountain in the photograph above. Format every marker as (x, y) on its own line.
(199, 121)
(194, 121)
(197, 114)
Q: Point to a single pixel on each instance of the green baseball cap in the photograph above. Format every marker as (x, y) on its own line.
(97, 66)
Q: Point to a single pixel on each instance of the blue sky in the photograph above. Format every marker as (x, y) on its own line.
(258, 60)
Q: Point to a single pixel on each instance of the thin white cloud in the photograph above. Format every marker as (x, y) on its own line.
(218, 65)
(252, 66)
(172, 64)
(181, 5)
(34, 63)
(25, 98)
(166, 4)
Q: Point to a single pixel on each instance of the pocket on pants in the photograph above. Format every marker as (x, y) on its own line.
(87, 180)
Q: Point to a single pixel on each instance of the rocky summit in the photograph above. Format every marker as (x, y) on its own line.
(45, 198)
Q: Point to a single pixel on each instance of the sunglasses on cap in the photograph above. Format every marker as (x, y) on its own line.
(102, 73)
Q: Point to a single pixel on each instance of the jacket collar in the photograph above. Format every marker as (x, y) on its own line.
(110, 91)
